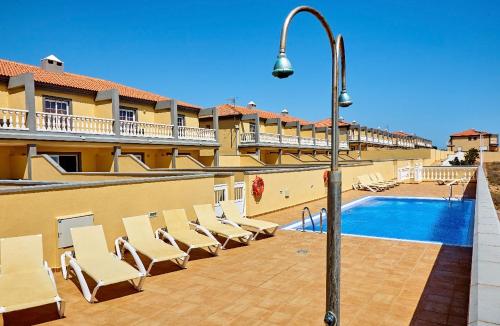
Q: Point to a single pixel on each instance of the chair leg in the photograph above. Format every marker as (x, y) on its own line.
(61, 306)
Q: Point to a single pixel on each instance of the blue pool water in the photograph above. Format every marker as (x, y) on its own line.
(436, 220)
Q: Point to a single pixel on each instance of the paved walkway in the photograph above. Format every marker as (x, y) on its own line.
(280, 281)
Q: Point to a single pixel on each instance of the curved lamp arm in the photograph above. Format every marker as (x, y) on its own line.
(286, 70)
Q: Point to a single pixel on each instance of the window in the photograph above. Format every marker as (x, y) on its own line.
(252, 127)
(54, 105)
(69, 162)
(181, 120)
(128, 114)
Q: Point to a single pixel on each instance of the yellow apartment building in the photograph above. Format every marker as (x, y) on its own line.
(85, 123)
(272, 138)
(472, 138)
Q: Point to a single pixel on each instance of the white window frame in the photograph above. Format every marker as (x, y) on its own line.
(128, 111)
(181, 120)
(60, 106)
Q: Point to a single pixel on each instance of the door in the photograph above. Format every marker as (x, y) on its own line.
(239, 197)
(221, 194)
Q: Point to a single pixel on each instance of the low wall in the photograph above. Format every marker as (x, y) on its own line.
(239, 160)
(491, 156)
(109, 201)
(43, 168)
(187, 162)
(484, 297)
(130, 163)
(429, 155)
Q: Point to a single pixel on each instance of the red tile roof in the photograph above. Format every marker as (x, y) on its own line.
(469, 132)
(328, 123)
(401, 133)
(230, 110)
(66, 79)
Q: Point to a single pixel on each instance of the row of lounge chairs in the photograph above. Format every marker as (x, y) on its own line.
(374, 182)
(26, 280)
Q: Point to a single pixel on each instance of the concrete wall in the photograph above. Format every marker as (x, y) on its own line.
(239, 160)
(108, 202)
(13, 162)
(484, 297)
(491, 156)
(301, 186)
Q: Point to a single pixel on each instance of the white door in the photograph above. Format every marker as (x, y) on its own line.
(221, 194)
(239, 197)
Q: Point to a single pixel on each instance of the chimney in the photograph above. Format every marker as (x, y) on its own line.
(251, 105)
(52, 64)
(284, 112)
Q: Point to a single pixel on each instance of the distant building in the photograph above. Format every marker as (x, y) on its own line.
(471, 138)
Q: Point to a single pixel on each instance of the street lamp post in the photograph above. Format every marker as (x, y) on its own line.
(283, 69)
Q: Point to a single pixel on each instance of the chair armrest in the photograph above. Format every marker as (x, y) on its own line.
(205, 231)
(226, 221)
(126, 245)
(162, 233)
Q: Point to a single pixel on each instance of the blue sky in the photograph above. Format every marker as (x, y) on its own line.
(429, 67)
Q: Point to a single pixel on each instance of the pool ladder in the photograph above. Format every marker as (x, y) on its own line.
(308, 211)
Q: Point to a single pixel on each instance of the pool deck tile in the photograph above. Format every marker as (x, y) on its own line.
(280, 281)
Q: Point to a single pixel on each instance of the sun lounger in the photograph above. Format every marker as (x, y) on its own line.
(140, 237)
(222, 227)
(364, 183)
(187, 233)
(232, 213)
(382, 179)
(91, 256)
(26, 281)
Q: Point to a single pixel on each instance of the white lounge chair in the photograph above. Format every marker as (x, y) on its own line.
(382, 179)
(364, 183)
(91, 256)
(377, 180)
(222, 227)
(26, 280)
(232, 213)
(141, 237)
(192, 235)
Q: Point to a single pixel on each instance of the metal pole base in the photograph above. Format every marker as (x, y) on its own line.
(330, 319)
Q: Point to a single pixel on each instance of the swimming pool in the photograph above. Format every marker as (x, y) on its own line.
(406, 218)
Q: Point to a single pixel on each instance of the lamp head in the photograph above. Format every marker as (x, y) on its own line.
(282, 67)
(344, 99)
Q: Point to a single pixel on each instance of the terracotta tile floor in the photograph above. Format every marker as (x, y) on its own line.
(280, 280)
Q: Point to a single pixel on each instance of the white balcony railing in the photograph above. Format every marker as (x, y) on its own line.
(447, 173)
(196, 133)
(307, 141)
(289, 139)
(145, 129)
(66, 123)
(321, 142)
(370, 139)
(13, 119)
(269, 138)
(363, 138)
(343, 145)
(247, 137)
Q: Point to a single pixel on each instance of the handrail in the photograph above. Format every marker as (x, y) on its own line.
(303, 218)
(321, 219)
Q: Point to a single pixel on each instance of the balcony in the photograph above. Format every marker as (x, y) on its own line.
(250, 138)
(146, 129)
(292, 140)
(68, 124)
(65, 123)
(307, 141)
(13, 119)
(193, 133)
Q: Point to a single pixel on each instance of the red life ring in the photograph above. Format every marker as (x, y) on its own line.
(258, 186)
(325, 177)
